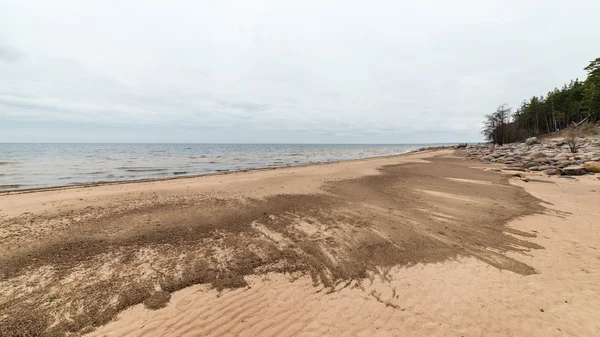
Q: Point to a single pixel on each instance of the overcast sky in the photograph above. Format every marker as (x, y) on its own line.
(280, 71)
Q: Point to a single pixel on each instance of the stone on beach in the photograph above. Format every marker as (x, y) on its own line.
(574, 170)
(592, 166)
(542, 168)
(553, 172)
(532, 164)
(551, 158)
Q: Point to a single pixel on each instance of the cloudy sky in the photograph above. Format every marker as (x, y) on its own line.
(305, 71)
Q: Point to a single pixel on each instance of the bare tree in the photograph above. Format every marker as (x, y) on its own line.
(572, 135)
(494, 127)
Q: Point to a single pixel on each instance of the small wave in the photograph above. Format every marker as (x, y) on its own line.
(10, 187)
(141, 169)
(181, 172)
(95, 173)
(145, 170)
(9, 162)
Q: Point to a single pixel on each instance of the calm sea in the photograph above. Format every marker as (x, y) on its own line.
(25, 166)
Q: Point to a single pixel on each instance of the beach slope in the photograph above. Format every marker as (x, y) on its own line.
(419, 244)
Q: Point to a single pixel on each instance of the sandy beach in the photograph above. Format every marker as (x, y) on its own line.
(422, 244)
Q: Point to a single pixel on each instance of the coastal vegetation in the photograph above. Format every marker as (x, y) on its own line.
(559, 109)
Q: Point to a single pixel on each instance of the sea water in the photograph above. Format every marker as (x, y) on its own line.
(24, 166)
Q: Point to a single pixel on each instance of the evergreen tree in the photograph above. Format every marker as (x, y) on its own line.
(571, 103)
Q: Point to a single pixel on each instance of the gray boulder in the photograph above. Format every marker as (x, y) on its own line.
(564, 163)
(573, 170)
(532, 141)
(542, 168)
(553, 172)
(532, 164)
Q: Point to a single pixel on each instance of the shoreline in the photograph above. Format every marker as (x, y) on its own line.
(144, 180)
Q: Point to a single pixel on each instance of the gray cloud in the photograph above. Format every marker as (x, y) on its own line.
(335, 71)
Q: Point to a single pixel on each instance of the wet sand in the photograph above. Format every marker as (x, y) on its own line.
(420, 244)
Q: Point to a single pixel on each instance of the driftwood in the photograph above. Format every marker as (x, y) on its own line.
(578, 124)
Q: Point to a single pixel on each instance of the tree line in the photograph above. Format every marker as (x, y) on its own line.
(560, 108)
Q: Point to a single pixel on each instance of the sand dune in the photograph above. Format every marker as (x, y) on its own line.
(416, 245)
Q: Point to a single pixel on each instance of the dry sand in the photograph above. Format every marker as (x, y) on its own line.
(424, 244)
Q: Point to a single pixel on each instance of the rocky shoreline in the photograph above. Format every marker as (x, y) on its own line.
(551, 157)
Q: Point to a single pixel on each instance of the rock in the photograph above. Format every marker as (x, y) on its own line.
(592, 166)
(564, 163)
(537, 155)
(493, 169)
(553, 172)
(542, 168)
(574, 170)
(532, 164)
(497, 155)
(531, 141)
